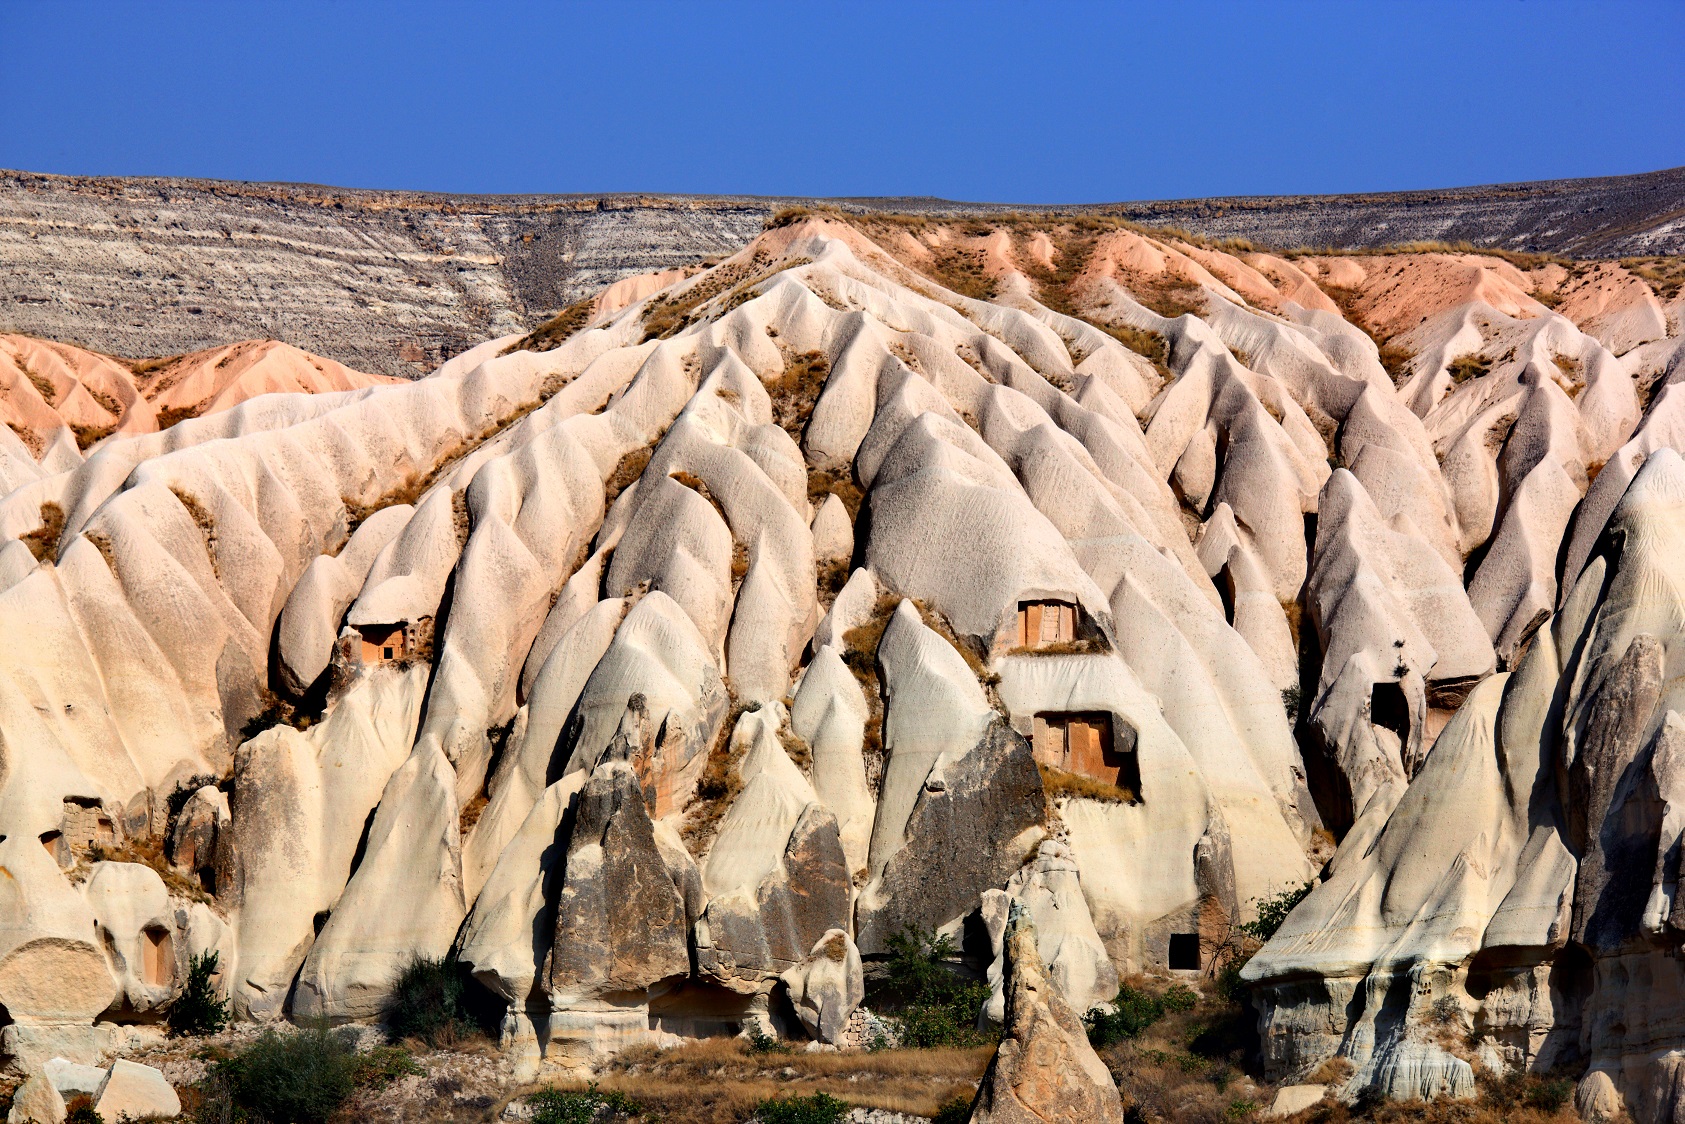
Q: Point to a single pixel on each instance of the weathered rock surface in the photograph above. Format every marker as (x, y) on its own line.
(1044, 1070)
(664, 664)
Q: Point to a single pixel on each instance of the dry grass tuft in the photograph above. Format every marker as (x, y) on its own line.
(206, 523)
(1151, 346)
(718, 1081)
(87, 436)
(1187, 1065)
(1057, 783)
(839, 482)
(795, 392)
(1395, 359)
(1466, 367)
(1664, 275)
(860, 653)
(631, 467)
(832, 576)
(43, 541)
(174, 414)
(719, 785)
(700, 486)
(557, 330)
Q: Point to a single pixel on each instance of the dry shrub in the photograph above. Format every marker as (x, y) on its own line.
(43, 541)
(1466, 367)
(87, 436)
(796, 391)
(860, 653)
(700, 486)
(43, 386)
(557, 330)
(1151, 346)
(796, 749)
(175, 414)
(719, 785)
(1057, 782)
(839, 482)
(1171, 299)
(832, 575)
(739, 564)
(205, 521)
(1081, 646)
(972, 650)
(630, 467)
(718, 1080)
(1182, 1064)
(1512, 1099)
(1664, 275)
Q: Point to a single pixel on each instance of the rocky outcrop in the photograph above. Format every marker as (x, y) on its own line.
(1044, 1069)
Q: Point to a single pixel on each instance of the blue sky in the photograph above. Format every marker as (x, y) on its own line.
(1022, 102)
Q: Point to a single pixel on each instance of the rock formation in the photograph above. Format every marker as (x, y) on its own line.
(662, 665)
(1044, 1070)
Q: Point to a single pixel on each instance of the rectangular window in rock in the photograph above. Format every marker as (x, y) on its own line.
(1043, 623)
(1083, 743)
(1184, 952)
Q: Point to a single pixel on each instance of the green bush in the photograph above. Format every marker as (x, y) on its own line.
(198, 1010)
(1134, 1011)
(302, 1077)
(1273, 911)
(426, 1002)
(384, 1065)
(760, 1042)
(557, 1106)
(956, 1111)
(820, 1108)
(935, 1006)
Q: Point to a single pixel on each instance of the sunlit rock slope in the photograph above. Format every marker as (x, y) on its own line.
(666, 661)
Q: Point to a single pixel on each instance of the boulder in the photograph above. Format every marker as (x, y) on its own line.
(38, 1101)
(826, 987)
(134, 1090)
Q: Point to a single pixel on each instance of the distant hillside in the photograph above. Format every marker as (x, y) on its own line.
(395, 282)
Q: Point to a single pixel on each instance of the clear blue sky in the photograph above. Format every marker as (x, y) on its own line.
(1022, 102)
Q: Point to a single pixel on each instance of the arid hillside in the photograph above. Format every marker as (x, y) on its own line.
(1013, 605)
(396, 282)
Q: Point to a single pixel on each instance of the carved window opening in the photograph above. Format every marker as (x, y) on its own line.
(1184, 952)
(1084, 743)
(1044, 623)
(157, 957)
(383, 643)
(1388, 710)
(50, 843)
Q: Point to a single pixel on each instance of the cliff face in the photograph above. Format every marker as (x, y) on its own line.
(396, 282)
(387, 282)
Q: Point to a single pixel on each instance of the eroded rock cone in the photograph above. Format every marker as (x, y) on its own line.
(1044, 1068)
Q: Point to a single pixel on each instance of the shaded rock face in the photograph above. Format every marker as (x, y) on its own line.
(1531, 869)
(1044, 1069)
(620, 920)
(751, 941)
(967, 834)
(663, 665)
